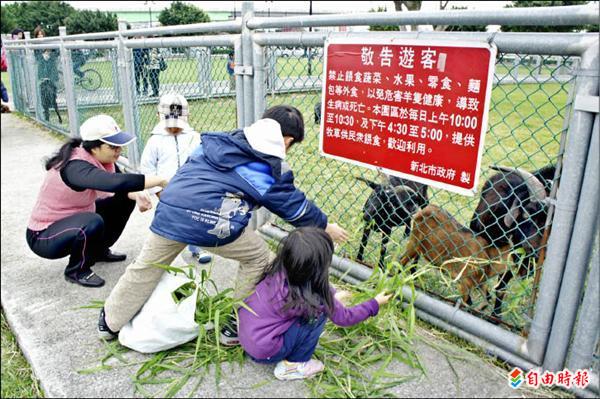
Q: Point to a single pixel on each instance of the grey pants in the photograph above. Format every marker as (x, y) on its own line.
(140, 278)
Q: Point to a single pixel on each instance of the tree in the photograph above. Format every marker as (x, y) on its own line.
(382, 27)
(415, 6)
(181, 14)
(87, 21)
(8, 21)
(29, 14)
(463, 28)
(547, 28)
(410, 6)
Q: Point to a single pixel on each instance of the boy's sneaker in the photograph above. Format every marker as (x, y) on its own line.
(103, 331)
(200, 255)
(203, 257)
(296, 371)
(229, 333)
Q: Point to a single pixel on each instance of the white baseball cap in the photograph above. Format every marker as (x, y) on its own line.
(173, 108)
(105, 129)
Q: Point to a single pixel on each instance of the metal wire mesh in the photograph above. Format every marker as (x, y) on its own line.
(529, 104)
(18, 81)
(51, 105)
(197, 73)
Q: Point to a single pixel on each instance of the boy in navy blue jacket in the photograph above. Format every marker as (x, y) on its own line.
(208, 203)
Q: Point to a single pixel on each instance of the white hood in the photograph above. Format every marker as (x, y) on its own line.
(264, 136)
(164, 152)
(160, 128)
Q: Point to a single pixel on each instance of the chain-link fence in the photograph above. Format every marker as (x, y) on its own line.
(527, 120)
(500, 255)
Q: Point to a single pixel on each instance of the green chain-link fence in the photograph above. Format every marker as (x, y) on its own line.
(527, 111)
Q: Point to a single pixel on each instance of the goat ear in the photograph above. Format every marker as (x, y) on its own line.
(512, 214)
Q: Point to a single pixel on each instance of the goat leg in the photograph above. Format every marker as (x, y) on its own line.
(385, 239)
(364, 240)
(58, 114)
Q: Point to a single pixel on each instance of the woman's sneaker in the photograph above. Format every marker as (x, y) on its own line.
(296, 371)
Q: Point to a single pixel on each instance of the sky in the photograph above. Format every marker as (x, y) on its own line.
(318, 6)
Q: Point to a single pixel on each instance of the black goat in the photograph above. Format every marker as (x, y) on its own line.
(513, 210)
(390, 205)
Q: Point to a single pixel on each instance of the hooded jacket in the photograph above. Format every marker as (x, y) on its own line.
(208, 201)
(164, 152)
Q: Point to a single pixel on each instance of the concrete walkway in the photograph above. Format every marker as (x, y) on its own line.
(58, 339)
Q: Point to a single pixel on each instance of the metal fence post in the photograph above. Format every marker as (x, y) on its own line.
(65, 58)
(125, 77)
(199, 54)
(577, 261)
(272, 74)
(259, 80)
(12, 73)
(578, 140)
(32, 75)
(114, 57)
(247, 13)
(239, 84)
(588, 325)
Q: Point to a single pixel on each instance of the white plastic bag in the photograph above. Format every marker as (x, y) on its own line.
(161, 323)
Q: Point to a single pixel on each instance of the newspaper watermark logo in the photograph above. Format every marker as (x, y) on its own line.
(535, 378)
(515, 378)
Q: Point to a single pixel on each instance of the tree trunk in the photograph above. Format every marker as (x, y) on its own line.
(410, 6)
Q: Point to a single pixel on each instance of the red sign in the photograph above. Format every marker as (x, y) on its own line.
(414, 109)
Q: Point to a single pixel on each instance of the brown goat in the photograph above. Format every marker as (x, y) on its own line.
(444, 242)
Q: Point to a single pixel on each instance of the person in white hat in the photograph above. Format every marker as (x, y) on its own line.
(171, 142)
(85, 201)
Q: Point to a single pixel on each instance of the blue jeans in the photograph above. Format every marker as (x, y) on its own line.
(299, 342)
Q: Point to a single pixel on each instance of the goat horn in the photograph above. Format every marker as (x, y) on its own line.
(536, 189)
(402, 187)
(385, 178)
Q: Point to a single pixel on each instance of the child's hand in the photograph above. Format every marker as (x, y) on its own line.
(336, 232)
(342, 295)
(382, 298)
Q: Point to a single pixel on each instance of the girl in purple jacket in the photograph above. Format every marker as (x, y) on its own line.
(292, 302)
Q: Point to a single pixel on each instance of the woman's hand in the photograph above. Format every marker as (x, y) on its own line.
(143, 200)
(155, 181)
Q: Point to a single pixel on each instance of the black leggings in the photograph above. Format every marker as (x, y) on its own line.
(83, 236)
